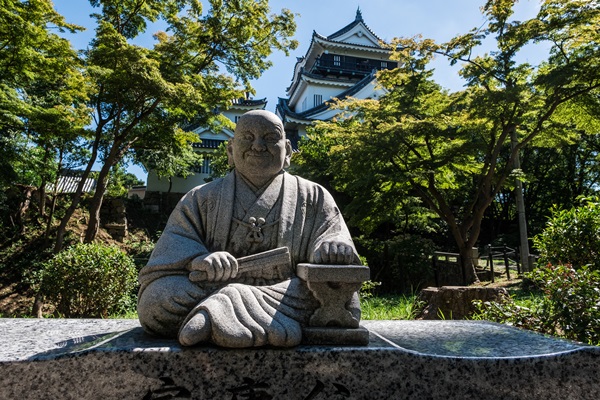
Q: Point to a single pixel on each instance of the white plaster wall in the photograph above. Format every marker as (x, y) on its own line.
(356, 39)
(326, 91)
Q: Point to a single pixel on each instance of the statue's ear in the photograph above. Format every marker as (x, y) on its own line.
(230, 153)
(288, 154)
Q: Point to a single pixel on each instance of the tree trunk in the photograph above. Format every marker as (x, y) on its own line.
(38, 306)
(96, 204)
(468, 265)
(49, 218)
(24, 200)
(42, 188)
(62, 229)
(465, 239)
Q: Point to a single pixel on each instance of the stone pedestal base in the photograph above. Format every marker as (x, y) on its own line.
(336, 336)
(334, 286)
(115, 359)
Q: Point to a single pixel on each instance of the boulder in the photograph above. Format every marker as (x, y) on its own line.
(456, 302)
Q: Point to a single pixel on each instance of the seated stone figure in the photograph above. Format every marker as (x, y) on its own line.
(193, 288)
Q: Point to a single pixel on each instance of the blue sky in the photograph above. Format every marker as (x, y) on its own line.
(437, 19)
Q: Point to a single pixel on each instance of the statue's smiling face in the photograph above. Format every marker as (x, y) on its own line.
(259, 149)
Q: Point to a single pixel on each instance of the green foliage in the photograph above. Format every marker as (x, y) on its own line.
(401, 264)
(570, 306)
(367, 289)
(178, 161)
(41, 91)
(88, 280)
(390, 307)
(453, 151)
(219, 162)
(575, 299)
(572, 236)
(555, 178)
(120, 182)
(509, 312)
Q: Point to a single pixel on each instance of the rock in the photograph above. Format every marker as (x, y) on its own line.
(456, 302)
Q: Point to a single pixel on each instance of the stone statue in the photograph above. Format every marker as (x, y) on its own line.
(224, 269)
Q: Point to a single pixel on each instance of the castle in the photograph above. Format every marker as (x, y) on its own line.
(340, 65)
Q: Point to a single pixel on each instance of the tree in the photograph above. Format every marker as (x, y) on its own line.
(219, 162)
(42, 95)
(120, 181)
(141, 96)
(453, 150)
(29, 53)
(168, 163)
(555, 176)
(571, 236)
(34, 66)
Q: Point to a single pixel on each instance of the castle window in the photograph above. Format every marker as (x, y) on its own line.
(206, 168)
(384, 64)
(337, 61)
(318, 100)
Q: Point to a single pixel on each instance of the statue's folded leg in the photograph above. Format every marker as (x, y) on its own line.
(166, 302)
(196, 329)
(239, 315)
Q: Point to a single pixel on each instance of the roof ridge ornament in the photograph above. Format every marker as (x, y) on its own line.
(359, 16)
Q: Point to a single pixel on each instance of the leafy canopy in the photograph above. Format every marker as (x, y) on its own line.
(456, 151)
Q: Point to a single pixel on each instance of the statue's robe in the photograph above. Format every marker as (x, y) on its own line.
(256, 308)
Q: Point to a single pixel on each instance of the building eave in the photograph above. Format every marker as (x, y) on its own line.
(317, 79)
(298, 70)
(288, 115)
(249, 104)
(306, 78)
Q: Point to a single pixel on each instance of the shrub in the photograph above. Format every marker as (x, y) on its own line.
(574, 297)
(367, 289)
(572, 236)
(88, 280)
(570, 306)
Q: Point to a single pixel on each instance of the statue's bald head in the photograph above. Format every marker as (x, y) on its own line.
(259, 149)
(260, 117)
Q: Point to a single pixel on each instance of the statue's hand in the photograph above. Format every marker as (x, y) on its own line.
(334, 252)
(219, 266)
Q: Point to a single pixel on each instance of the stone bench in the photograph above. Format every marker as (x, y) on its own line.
(115, 359)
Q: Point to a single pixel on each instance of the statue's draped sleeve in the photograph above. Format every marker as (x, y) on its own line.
(190, 231)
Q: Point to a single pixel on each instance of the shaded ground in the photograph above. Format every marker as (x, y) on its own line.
(14, 303)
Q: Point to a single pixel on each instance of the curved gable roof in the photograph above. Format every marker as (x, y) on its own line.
(357, 23)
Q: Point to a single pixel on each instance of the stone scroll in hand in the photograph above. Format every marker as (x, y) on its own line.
(267, 259)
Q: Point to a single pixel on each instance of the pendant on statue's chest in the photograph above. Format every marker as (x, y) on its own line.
(255, 228)
(255, 234)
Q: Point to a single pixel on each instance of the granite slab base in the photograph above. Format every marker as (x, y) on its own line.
(115, 359)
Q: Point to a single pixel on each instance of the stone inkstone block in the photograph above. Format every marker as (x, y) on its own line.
(334, 286)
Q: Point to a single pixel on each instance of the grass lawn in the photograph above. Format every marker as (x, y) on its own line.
(389, 307)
